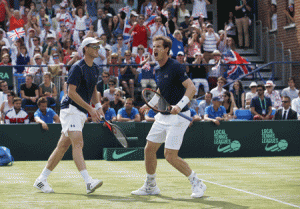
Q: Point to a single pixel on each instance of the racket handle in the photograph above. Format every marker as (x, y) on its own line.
(186, 117)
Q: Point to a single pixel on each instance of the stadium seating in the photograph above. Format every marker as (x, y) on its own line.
(243, 115)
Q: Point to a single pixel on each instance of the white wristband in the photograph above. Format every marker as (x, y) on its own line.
(183, 102)
(154, 100)
(98, 106)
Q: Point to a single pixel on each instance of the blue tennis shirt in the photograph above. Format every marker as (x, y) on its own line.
(169, 81)
(48, 118)
(213, 114)
(110, 113)
(85, 78)
(124, 114)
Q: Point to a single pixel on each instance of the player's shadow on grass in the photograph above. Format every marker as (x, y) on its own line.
(205, 200)
(128, 198)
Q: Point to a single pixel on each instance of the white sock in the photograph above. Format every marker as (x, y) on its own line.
(193, 174)
(45, 173)
(85, 176)
(151, 176)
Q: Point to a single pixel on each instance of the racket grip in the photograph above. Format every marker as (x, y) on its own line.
(186, 117)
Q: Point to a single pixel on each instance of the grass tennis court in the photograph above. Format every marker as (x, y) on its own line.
(231, 183)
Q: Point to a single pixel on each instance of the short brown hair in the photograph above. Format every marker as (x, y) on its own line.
(41, 100)
(17, 99)
(48, 74)
(129, 99)
(104, 99)
(222, 79)
(166, 41)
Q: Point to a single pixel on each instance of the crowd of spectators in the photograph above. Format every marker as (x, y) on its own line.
(54, 32)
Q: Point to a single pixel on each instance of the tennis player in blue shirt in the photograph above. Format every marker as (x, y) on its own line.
(175, 86)
(82, 81)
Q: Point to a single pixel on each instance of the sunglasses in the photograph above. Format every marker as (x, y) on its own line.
(114, 57)
(158, 21)
(111, 84)
(35, 39)
(55, 58)
(285, 101)
(259, 90)
(94, 47)
(105, 76)
(119, 39)
(140, 48)
(9, 95)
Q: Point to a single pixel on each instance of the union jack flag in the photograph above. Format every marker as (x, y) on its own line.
(150, 21)
(127, 38)
(16, 34)
(235, 69)
(146, 66)
(164, 13)
(176, 2)
(125, 10)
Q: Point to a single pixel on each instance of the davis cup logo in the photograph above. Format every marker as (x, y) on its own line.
(225, 144)
(272, 143)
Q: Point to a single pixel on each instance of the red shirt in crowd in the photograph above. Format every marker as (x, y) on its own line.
(14, 23)
(1, 63)
(140, 36)
(2, 11)
(139, 59)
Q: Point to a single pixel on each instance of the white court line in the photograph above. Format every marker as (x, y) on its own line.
(262, 196)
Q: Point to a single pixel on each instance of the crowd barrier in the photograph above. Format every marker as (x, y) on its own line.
(202, 140)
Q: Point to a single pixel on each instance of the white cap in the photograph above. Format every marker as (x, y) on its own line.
(253, 83)
(180, 53)
(216, 52)
(134, 13)
(197, 53)
(270, 83)
(5, 47)
(50, 35)
(109, 15)
(187, 15)
(107, 47)
(171, 52)
(73, 54)
(37, 56)
(89, 40)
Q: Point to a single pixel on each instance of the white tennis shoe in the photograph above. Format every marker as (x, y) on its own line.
(198, 188)
(147, 190)
(93, 185)
(43, 186)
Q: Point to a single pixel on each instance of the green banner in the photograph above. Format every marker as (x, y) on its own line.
(203, 139)
(6, 73)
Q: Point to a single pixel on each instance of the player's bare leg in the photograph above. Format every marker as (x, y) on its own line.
(177, 162)
(198, 187)
(149, 187)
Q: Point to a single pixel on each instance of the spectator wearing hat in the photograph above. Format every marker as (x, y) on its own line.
(57, 68)
(261, 106)
(199, 8)
(45, 115)
(5, 60)
(242, 9)
(48, 46)
(29, 91)
(141, 34)
(119, 47)
(2, 37)
(290, 91)
(183, 13)
(215, 112)
(47, 30)
(198, 73)
(210, 41)
(181, 58)
(216, 70)
(273, 94)
(251, 94)
(133, 17)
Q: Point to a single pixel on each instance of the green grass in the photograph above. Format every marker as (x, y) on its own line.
(277, 178)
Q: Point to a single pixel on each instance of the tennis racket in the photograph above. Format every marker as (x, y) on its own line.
(162, 106)
(117, 132)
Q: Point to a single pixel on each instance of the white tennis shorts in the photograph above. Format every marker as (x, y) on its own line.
(72, 119)
(169, 129)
